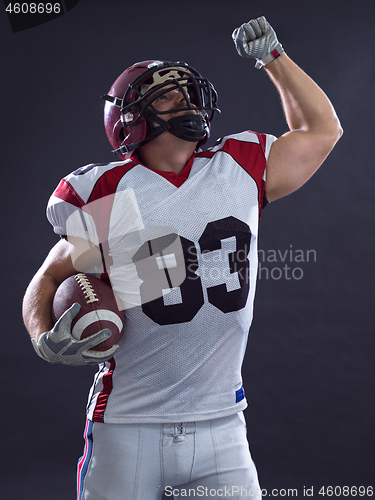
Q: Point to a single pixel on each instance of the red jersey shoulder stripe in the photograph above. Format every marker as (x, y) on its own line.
(107, 183)
(66, 192)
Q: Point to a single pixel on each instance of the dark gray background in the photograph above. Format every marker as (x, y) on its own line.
(309, 369)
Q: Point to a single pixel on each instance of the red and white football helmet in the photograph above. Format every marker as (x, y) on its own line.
(129, 110)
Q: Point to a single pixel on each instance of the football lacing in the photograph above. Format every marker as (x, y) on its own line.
(87, 288)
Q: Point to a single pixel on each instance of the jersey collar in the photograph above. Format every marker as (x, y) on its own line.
(176, 179)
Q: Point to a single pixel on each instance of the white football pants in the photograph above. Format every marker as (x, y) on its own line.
(209, 459)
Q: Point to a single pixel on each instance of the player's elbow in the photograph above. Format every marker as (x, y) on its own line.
(325, 140)
(323, 132)
(332, 133)
(336, 131)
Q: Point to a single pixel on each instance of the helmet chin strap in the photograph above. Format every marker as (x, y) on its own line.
(189, 127)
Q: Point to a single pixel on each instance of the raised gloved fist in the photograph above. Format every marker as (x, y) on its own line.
(59, 346)
(257, 39)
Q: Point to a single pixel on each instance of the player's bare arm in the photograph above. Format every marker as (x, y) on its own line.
(53, 342)
(314, 127)
(37, 303)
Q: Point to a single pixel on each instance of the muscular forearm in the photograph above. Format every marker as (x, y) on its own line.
(37, 304)
(305, 105)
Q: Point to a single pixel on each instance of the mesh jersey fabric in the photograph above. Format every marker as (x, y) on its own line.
(182, 257)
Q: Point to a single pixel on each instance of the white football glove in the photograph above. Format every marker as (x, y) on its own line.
(59, 346)
(257, 39)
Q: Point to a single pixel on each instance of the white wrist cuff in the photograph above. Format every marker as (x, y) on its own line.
(277, 51)
(37, 344)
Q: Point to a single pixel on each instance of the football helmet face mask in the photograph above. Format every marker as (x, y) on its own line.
(129, 108)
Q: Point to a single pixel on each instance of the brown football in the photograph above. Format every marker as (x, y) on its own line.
(99, 308)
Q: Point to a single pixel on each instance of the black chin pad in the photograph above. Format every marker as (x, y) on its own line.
(189, 127)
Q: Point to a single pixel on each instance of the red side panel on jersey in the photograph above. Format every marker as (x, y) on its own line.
(262, 141)
(101, 402)
(262, 187)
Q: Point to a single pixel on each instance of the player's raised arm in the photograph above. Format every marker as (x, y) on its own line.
(312, 120)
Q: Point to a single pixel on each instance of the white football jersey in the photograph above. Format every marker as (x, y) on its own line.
(180, 252)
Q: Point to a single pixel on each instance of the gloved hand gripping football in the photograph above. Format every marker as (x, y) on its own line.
(257, 39)
(59, 346)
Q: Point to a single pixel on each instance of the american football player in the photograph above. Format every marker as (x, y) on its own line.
(174, 229)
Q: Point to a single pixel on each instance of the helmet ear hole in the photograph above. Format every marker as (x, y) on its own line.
(137, 133)
(117, 135)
